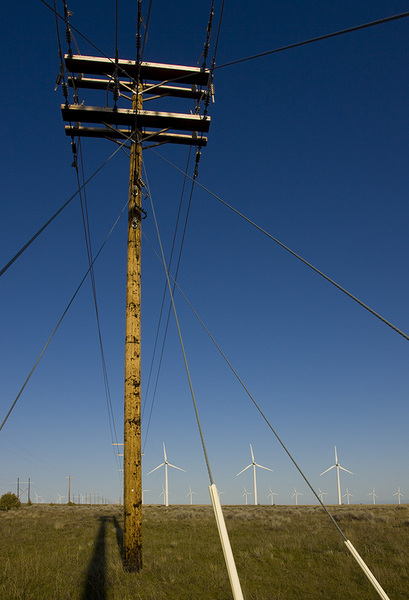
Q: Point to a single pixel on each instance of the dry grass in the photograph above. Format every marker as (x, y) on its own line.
(282, 553)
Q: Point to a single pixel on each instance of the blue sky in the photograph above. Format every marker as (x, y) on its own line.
(311, 144)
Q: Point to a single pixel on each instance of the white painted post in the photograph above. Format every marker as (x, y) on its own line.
(224, 538)
(366, 570)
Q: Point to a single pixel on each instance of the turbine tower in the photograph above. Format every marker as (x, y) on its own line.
(166, 464)
(321, 495)
(338, 467)
(399, 495)
(254, 465)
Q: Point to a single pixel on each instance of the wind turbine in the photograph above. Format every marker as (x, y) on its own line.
(59, 498)
(321, 495)
(347, 495)
(190, 493)
(166, 464)
(246, 493)
(373, 496)
(296, 494)
(163, 494)
(338, 467)
(271, 495)
(399, 495)
(40, 499)
(254, 465)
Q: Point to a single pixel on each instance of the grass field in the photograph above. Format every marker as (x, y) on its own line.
(282, 553)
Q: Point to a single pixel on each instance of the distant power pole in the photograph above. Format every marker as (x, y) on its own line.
(26, 491)
(135, 125)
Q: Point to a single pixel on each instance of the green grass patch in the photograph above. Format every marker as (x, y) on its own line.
(281, 552)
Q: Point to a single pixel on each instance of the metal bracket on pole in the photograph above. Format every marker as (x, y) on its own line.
(224, 538)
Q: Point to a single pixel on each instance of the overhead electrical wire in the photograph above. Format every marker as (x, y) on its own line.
(198, 154)
(298, 256)
(315, 39)
(165, 291)
(47, 223)
(255, 403)
(181, 340)
(170, 306)
(61, 318)
(87, 235)
(145, 37)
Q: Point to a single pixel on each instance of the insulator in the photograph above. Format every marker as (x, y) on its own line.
(115, 93)
(65, 89)
(138, 40)
(58, 79)
(68, 35)
(74, 147)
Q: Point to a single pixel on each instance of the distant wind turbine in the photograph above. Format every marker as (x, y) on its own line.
(347, 495)
(373, 496)
(271, 495)
(296, 494)
(246, 493)
(321, 495)
(40, 499)
(163, 494)
(338, 467)
(399, 495)
(166, 464)
(190, 493)
(254, 465)
(59, 498)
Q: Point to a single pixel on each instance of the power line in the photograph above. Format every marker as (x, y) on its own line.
(181, 343)
(163, 300)
(173, 289)
(87, 235)
(175, 284)
(300, 258)
(61, 319)
(31, 240)
(316, 39)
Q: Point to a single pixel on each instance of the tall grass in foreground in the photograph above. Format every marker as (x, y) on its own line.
(281, 552)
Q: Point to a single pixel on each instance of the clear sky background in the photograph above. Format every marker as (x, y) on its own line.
(312, 145)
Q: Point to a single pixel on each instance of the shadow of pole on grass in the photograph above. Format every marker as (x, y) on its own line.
(119, 535)
(95, 579)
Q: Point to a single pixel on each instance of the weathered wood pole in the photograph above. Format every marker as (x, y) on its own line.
(132, 543)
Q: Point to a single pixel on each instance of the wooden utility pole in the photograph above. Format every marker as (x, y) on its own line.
(132, 543)
(137, 125)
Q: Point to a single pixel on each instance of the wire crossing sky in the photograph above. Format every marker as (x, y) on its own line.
(310, 145)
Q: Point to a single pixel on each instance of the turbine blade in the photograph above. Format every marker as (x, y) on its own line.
(176, 467)
(336, 457)
(261, 467)
(328, 470)
(164, 452)
(345, 470)
(252, 455)
(248, 466)
(158, 467)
